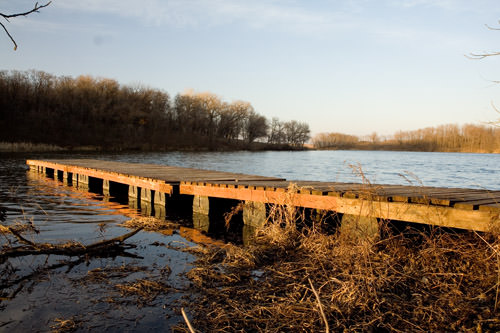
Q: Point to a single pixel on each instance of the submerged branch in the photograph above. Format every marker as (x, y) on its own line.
(67, 249)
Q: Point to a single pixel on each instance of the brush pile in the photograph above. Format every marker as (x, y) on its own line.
(302, 279)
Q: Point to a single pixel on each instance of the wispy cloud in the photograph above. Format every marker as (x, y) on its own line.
(478, 6)
(288, 15)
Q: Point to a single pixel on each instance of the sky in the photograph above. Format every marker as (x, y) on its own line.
(349, 66)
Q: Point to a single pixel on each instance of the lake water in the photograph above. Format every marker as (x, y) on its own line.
(382, 167)
(33, 299)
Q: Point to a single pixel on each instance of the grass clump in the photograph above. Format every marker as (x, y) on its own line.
(303, 279)
(149, 224)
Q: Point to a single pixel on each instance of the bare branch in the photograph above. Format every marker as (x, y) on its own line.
(491, 28)
(10, 36)
(482, 55)
(35, 9)
(477, 56)
(496, 122)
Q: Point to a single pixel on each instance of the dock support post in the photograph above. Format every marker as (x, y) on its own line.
(66, 177)
(147, 201)
(160, 198)
(249, 233)
(105, 187)
(146, 208)
(160, 204)
(134, 196)
(147, 195)
(82, 181)
(360, 227)
(201, 220)
(254, 213)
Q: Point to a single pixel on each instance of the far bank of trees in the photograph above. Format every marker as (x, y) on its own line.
(447, 138)
(86, 111)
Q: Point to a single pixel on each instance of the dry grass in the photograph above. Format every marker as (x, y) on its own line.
(145, 290)
(306, 280)
(65, 325)
(149, 224)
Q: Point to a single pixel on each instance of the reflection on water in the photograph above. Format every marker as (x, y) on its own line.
(37, 290)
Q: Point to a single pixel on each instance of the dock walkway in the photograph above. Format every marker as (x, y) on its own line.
(472, 209)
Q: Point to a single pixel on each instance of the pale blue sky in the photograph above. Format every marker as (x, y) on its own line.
(345, 66)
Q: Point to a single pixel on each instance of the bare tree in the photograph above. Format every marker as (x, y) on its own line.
(36, 9)
(483, 55)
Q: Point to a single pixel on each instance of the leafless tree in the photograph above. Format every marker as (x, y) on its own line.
(36, 9)
(483, 55)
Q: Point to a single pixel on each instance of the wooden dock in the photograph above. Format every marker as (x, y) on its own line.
(363, 204)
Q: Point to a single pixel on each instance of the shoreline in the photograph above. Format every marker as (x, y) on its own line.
(30, 147)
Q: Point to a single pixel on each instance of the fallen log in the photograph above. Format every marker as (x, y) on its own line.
(71, 249)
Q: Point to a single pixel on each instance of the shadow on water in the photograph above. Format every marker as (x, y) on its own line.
(140, 286)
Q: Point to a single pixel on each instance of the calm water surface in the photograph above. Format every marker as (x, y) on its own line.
(429, 169)
(65, 213)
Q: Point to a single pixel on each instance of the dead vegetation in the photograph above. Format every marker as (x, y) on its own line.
(65, 325)
(144, 290)
(149, 224)
(302, 279)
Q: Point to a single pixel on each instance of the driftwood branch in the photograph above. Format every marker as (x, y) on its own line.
(67, 249)
(36, 9)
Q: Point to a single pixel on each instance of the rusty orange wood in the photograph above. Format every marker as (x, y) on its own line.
(107, 175)
(479, 220)
(418, 204)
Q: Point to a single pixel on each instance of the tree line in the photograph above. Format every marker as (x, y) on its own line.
(445, 138)
(86, 111)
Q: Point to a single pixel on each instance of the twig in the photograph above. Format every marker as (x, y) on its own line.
(21, 238)
(8, 16)
(26, 13)
(191, 329)
(327, 328)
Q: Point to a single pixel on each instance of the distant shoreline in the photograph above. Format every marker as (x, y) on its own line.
(29, 147)
(404, 147)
